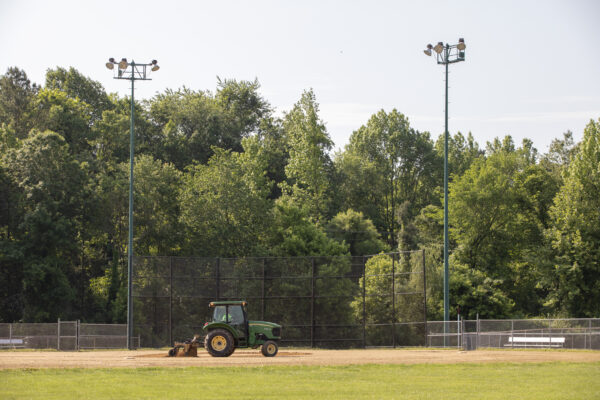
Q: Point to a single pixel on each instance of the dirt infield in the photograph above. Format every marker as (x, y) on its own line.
(244, 358)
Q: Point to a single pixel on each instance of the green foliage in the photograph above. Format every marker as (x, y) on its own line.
(386, 275)
(294, 234)
(575, 233)
(401, 164)
(461, 152)
(224, 205)
(219, 175)
(78, 87)
(357, 232)
(309, 167)
(16, 104)
(68, 117)
(499, 210)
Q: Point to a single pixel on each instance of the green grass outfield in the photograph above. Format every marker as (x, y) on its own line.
(421, 381)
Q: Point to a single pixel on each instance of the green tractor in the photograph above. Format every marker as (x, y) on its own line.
(230, 329)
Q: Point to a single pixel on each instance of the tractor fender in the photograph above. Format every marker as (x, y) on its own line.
(220, 325)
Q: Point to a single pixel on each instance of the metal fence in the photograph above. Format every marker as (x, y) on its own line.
(64, 335)
(329, 302)
(574, 333)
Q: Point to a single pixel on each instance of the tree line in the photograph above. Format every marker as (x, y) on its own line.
(218, 174)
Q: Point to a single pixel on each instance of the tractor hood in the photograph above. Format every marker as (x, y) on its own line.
(267, 330)
(263, 324)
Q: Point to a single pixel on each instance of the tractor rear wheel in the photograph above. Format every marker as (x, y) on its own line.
(269, 348)
(219, 343)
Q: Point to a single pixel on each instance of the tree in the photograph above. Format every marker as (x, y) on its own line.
(69, 117)
(357, 232)
(157, 206)
(81, 88)
(499, 209)
(402, 163)
(309, 167)
(54, 188)
(295, 234)
(11, 255)
(224, 206)
(244, 106)
(461, 152)
(574, 278)
(16, 103)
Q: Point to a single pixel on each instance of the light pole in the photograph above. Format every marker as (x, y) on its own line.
(133, 72)
(447, 54)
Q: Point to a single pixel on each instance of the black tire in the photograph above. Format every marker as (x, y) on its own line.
(173, 352)
(269, 348)
(219, 343)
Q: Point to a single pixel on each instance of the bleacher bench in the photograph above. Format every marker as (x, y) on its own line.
(12, 343)
(532, 341)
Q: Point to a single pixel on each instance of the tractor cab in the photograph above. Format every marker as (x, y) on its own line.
(232, 313)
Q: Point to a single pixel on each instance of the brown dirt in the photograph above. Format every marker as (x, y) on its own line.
(246, 358)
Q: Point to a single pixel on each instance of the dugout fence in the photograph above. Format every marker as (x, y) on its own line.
(64, 336)
(327, 302)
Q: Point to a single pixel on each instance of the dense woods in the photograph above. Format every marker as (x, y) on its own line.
(219, 174)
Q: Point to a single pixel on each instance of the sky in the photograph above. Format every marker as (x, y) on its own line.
(532, 68)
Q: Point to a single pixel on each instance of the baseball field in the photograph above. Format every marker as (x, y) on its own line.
(302, 374)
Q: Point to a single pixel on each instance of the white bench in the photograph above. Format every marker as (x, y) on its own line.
(13, 343)
(533, 341)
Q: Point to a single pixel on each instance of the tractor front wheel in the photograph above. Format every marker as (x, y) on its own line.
(269, 348)
(219, 343)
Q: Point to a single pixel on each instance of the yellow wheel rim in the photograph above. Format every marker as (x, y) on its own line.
(218, 343)
(271, 349)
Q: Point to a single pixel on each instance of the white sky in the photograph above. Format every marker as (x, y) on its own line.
(532, 68)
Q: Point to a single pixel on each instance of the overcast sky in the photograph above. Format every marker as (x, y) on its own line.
(532, 68)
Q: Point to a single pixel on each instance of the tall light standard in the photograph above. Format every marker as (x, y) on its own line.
(447, 54)
(133, 72)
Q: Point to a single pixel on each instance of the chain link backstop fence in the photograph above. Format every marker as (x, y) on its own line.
(329, 302)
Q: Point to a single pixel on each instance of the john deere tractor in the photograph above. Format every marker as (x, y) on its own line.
(230, 329)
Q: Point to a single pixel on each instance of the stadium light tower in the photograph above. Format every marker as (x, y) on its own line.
(447, 54)
(132, 72)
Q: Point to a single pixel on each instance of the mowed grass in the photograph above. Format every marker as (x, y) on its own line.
(422, 381)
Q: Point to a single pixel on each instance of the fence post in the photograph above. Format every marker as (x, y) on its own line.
(364, 296)
(425, 296)
(312, 304)
(458, 333)
(462, 339)
(218, 276)
(512, 333)
(58, 335)
(77, 328)
(170, 300)
(478, 327)
(590, 332)
(10, 334)
(393, 300)
(262, 316)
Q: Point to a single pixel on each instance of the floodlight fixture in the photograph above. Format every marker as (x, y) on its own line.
(428, 50)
